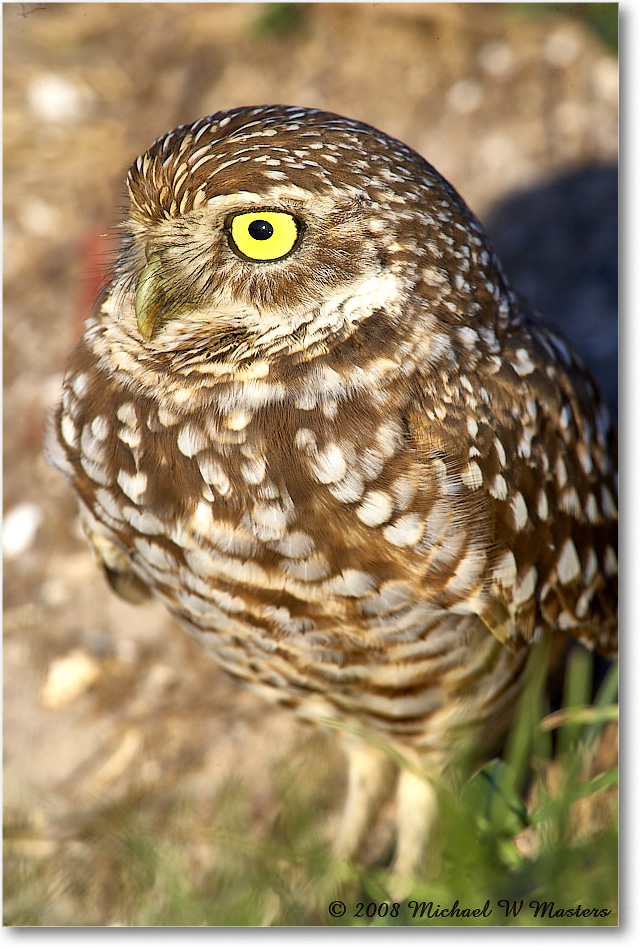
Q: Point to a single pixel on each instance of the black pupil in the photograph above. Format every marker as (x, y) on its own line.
(261, 230)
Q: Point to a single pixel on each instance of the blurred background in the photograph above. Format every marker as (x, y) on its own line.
(109, 707)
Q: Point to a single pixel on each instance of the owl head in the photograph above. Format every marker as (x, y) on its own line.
(275, 230)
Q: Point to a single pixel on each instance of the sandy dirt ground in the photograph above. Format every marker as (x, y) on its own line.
(515, 104)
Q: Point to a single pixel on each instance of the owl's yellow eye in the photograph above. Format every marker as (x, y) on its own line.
(263, 235)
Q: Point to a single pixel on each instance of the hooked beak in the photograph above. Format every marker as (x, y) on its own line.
(148, 302)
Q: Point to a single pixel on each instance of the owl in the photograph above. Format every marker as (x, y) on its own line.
(311, 417)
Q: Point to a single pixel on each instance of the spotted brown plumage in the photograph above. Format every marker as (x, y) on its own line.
(310, 415)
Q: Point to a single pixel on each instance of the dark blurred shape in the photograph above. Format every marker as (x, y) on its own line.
(601, 18)
(558, 243)
(277, 19)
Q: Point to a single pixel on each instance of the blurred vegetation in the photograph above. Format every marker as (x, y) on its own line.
(279, 19)
(506, 838)
(602, 18)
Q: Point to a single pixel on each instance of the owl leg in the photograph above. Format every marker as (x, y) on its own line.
(370, 778)
(416, 815)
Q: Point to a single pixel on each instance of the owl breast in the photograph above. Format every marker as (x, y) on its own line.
(299, 538)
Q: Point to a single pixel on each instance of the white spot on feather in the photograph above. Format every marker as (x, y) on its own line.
(98, 473)
(270, 516)
(501, 454)
(561, 472)
(568, 563)
(166, 417)
(609, 509)
(391, 596)
(57, 455)
(505, 572)
(202, 520)
(405, 531)
(375, 509)
(107, 501)
(371, 465)
(214, 474)
(238, 420)
(591, 509)
(349, 488)
(519, 511)
(155, 554)
(584, 456)
(389, 438)
(313, 568)
(542, 505)
(351, 583)
(499, 488)
(526, 586)
(610, 562)
(305, 439)
(582, 604)
(142, 520)
(570, 502)
(590, 568)
(403, 491)
(68, 430)
(134, 486)
(329, 465)
(191, 440)
(80, 384)
(127, 414)
(466, 574)
(130, 437)
(100, 428)
(472, 476)
(92, 447)
(296, 544)
(523, 365)
(253, 471)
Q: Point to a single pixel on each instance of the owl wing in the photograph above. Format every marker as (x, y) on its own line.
(524, 450)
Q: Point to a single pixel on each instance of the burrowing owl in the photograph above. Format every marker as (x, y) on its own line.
(310, 415)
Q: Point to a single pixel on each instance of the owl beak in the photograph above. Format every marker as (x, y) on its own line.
(147, 301)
